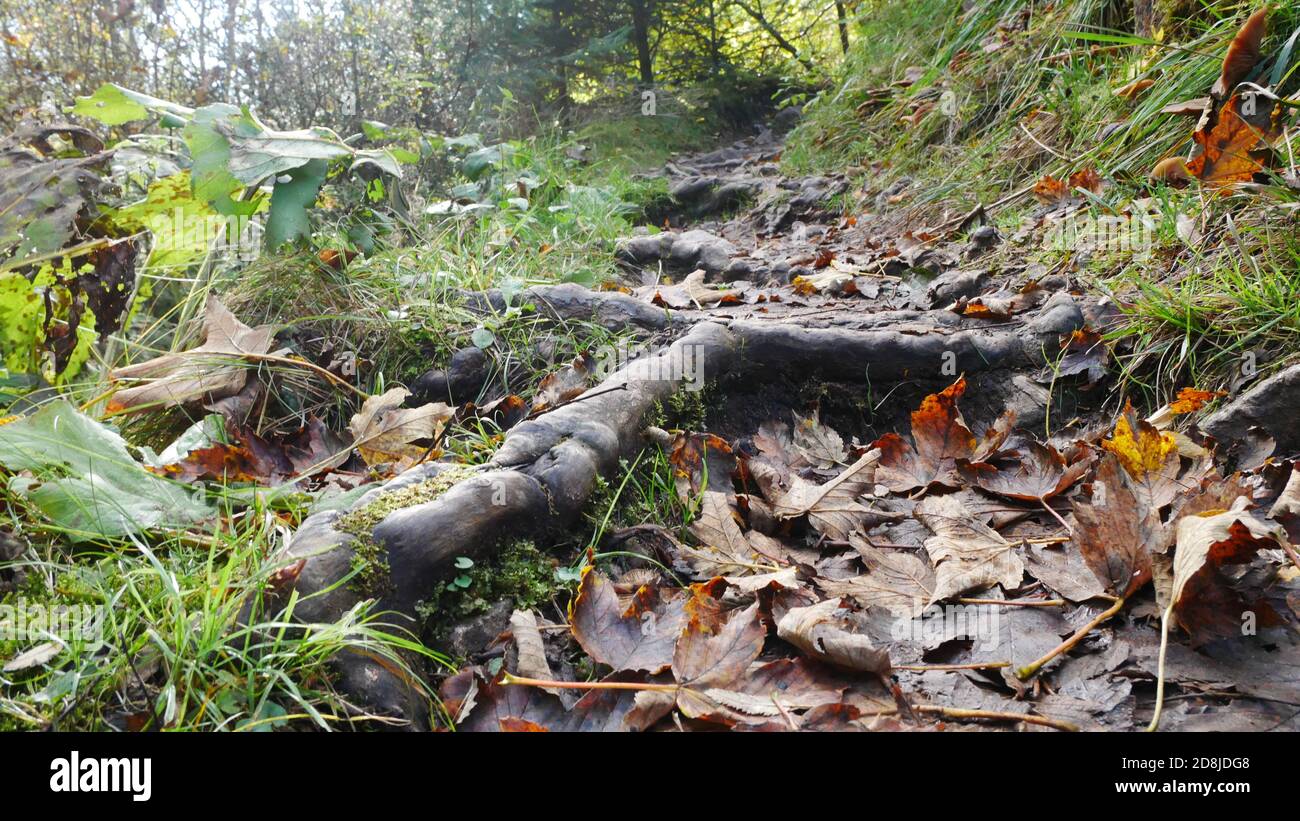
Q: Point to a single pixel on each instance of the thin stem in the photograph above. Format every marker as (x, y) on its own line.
(507, 678)
(959, 713)
(925, 668)
(1160, 668)
(1056, 516)
(1018, 602)
(1033, 667)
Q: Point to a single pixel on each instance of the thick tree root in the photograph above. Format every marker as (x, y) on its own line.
(546, 469)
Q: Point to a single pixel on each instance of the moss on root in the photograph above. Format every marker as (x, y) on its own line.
(369, 559)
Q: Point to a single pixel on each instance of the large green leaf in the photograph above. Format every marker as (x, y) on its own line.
(84, 480)
(113, 105)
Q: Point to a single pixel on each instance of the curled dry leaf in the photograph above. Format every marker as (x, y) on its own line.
(384, 431)
(818, 631)
(1243, 53)
(967, 554)
(1083, 352)
(216, 369)
(1115, 531)
(1204, 603)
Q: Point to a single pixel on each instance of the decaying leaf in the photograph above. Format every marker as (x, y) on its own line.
(567, 383)
(1039, 473)
(218, 368)
(832, 508)
(819, 632)
(723, 550)
(1116, 531)
(384, 431)
(939, 438)
(639, 637)
(898, 581)
(1204, 603)
(1083, 352)
(1234, 146)
(967, 554)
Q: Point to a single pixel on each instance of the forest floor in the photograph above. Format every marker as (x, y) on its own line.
(886, 430)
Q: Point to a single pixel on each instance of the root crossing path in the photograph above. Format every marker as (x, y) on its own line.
(760, 287)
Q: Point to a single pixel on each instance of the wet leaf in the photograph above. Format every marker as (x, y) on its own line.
(898, 581)
(818, 631)
(641, 636)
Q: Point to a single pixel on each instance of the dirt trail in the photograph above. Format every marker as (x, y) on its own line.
(765, 296)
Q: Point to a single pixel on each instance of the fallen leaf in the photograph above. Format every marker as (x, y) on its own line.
(939, 438)
(567, 383)
(1204, 603)
(898, 581)
(832, 508)
(967, 554)
(639, 637)
(1040, 473)
(1149, 456)
(384, 431)
(34, 657)
(216, 369)
(1233, 147)
(723, 548)
(1243, 53)
(819, 632)
(1116, 531)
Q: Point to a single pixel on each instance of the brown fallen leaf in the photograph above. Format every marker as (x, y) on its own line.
(686, 453)
(939, 438)
(1040, 473)
(723, 550)
(1133, 89)
(251, 458)
(1056, 192)
(897, 581)
(818, 631)
(1243, 53)
(832, 508)
(216, 369)
(1202, 600)
(967, 554)
(820, 446)
(691, 292)
(567, 383)
(384, 431)
(1083, 352)
(1116, 531)
(639, 637)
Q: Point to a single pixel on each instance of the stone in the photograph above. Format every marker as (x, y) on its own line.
(469, 637)
(1271, 405)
